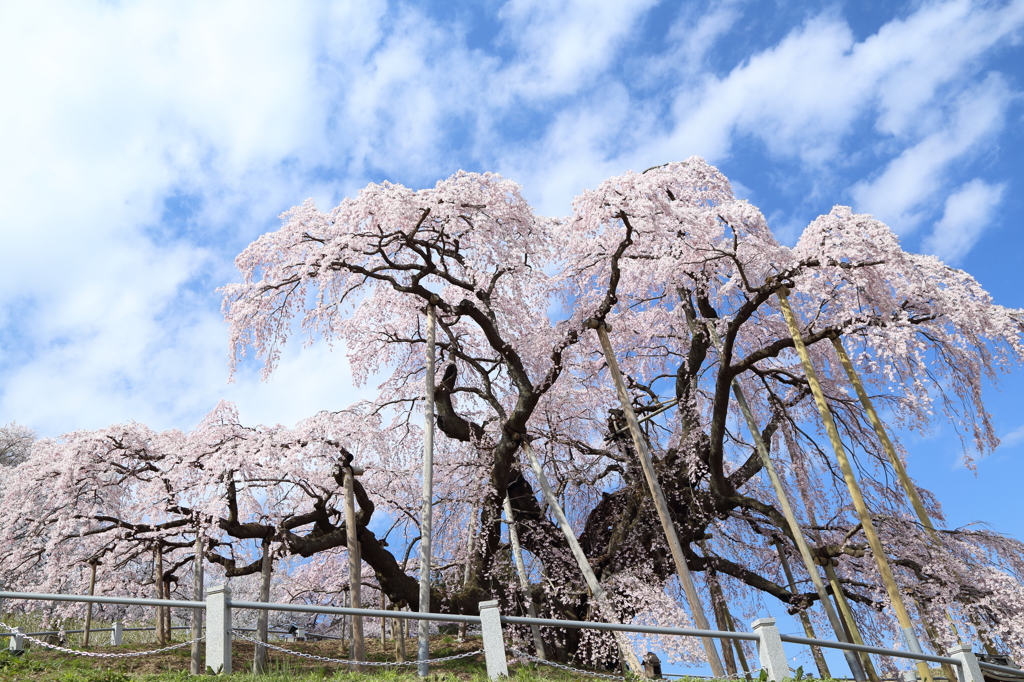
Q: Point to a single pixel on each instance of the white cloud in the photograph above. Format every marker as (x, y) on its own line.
(968, 212)
(1013, 438)
(900, 195)
(250, 107)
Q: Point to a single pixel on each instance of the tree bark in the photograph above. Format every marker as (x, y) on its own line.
(355, 569)
(158, 583)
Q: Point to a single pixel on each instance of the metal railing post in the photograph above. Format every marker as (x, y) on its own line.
(769, 649)
(17, 643)
(117, 633)
(968, 670)
(494, 640)
(218, 629)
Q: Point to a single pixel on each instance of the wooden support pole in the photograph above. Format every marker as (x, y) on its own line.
(355, 569)
(398, 627)
(805, 621)
(851, 483)
(158, 583)
(427, 507)
(383, 620)
(196, 666)
(851, 621)
(660, 503)
(901, 473)
(88, 609)
(467, 569)
(787, 511)
(721, 611)
(596, 590)
(259, 656)
(524, 582)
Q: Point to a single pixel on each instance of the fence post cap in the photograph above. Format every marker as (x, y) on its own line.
(491, 604)
(763, 623)
(960, 649)
(217, 589)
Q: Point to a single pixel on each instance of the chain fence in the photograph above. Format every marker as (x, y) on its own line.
(535, 659)
(346, 661)
(96, 654)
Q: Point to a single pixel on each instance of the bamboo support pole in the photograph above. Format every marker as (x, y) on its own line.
(427, 508)
(596, 590)
(721, 610)
(660, 503)
(787, 511)
(805, 621)
(851, 483)
(901, 473)
(88, 609)
(398, 628)
(383, 620)
(355, 569)
(196, 666)
(851, 621)
(524, 582)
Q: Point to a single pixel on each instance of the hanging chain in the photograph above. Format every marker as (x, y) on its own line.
(346, 661)
(95, 654)
(523, 654)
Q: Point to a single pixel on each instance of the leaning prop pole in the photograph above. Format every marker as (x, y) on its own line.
(88, 610)
(524, 582)
(897, 464)
(427, 509)
(604, 607)
(787, 510)
(851, 483)
(640, 444)
(196, 665)
(355, 568)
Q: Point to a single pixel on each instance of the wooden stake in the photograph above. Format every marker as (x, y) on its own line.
(596, 590)
(787, 511)
(383, 620)
(819, 658)
(524, 583)
(196, 667)
(851, 483)
(88, 609)
(660, 504)
(355, 569)
(427, 508)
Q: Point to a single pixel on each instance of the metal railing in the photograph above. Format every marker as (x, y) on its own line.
(219, 605)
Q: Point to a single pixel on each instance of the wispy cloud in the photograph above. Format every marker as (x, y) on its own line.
(116, 115)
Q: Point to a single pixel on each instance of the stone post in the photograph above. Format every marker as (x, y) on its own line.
(968, 670)
(769, 649)
(117, 634)
(17, 642)
(494, 640)
(218, 629)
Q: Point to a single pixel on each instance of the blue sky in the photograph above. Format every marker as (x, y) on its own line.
(145, 144)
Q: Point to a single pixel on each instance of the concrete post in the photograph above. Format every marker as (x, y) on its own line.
(300, 635)
(17, 642)
(911, 676)
(117, 634)
(218, 629)
(769, 649)
(968, 670)
(494, 640)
